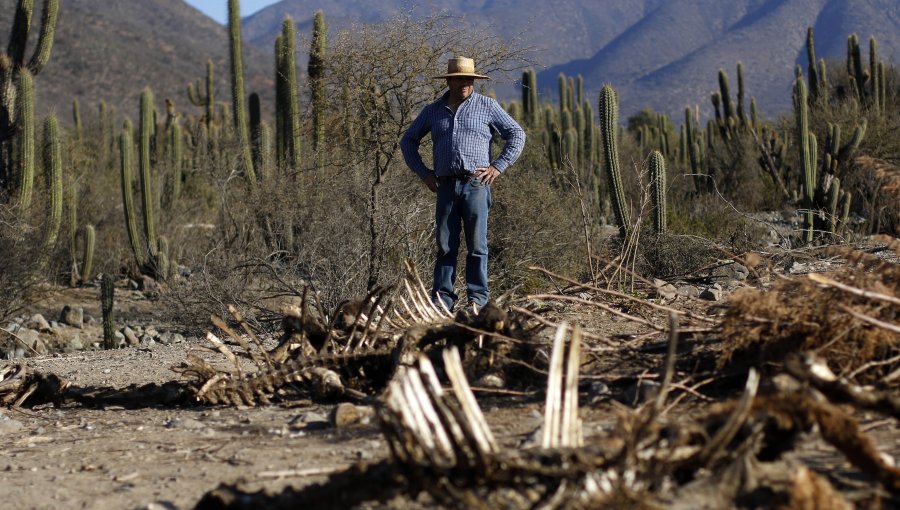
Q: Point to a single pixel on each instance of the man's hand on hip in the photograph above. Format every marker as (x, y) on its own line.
(486, 174)
(432, 183)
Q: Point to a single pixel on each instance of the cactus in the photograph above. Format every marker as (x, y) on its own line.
(237, 90)
(286, 97)
(52, 156)
(563, 93)
(803, 145)
(176, 161)
(658, 190)
(265, 151)
(106, 306)
(811, 65)
(76, 118)
(87, 261)
(126, 166)
(609, 121)
(147, 192)
(12, 65)
(25, 139)
(71, 199)
(530, 98)
(209, 100)
(317, 84)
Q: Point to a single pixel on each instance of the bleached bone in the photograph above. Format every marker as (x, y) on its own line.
(483, 435)
(552, 405)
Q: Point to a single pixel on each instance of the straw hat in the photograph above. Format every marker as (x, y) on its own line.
(461, 66)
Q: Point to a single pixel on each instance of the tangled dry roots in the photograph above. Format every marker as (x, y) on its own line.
(851, 318)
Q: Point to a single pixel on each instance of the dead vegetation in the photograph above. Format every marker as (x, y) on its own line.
(851, 318)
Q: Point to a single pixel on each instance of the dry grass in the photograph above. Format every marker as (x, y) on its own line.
(833, 315)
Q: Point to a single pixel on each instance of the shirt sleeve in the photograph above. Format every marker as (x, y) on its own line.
(509, 130)
(409, 144)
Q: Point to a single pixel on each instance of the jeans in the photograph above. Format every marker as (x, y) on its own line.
(463, 201)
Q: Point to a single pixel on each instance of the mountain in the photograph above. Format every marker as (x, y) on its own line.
(659, 53)
(111, 49)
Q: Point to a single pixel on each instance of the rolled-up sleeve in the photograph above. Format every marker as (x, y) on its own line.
(510, 131)
(411, 140)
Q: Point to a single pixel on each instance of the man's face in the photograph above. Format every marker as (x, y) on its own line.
(461, 86)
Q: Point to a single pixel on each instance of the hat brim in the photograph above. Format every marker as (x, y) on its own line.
(465, 75)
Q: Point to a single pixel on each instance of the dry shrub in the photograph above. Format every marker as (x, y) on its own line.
(761, 327)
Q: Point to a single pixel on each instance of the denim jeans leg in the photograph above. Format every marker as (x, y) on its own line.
(476, 204)
(447, 230)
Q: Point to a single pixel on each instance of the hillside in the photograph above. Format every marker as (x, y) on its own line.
(663, 54)
(111, 49)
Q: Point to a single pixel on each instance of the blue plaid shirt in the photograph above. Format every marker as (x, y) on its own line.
(462, 142)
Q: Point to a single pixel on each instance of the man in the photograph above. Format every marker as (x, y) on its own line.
(461, 124)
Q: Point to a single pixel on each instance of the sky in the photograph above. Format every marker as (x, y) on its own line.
(218, 9)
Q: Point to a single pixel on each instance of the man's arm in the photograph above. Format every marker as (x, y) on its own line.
(410, 142)
(509, 130)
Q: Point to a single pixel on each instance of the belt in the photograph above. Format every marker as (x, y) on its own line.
(460, 177)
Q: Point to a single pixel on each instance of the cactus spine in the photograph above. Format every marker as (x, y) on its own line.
(317, 84)
(106, 305)
(609, 122)
(658, 190)
(237, 90)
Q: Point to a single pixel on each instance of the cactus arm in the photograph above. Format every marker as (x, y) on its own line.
(53, 168)
(658, 190)
(237, 89)
(609, 117)
(41, 55)
(25, 138)
(19, 35)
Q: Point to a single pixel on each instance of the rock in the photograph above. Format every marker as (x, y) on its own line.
(9, 425)
(310, 421)
(147, 341)
(90, 320)
(688, 291)
(640, 392)
(75, 344)
(165, 338)
(183, 271)
(12, 327)
(32, 339)
(663, 290)
(151, 332)
(73, 316)
(148, 285)
(130, 336)
(733, 271)
(712, 293)
(133, 285)
(38, 322)
(184, 423)
(346, 414)
(177, 338)
(797, 267)
(495, 381)
(54, 325)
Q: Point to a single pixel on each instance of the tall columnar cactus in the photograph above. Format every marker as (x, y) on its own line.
(12, 64)
(87, 260)
(530, 98)
(126, 167)
(71, 205)
(208, 100)
(107, 290)
(287, 96)
(742, 116)
(147, 192)
(25, 139)
(609, 122)
(805, 155)
(76, 119)
(176, 161)
(811, 65)
(317, 84)
(563, 93)
(658, 190)
(237, 90)
(52, 156)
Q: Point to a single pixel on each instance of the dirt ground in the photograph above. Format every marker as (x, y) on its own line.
(155, 458)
